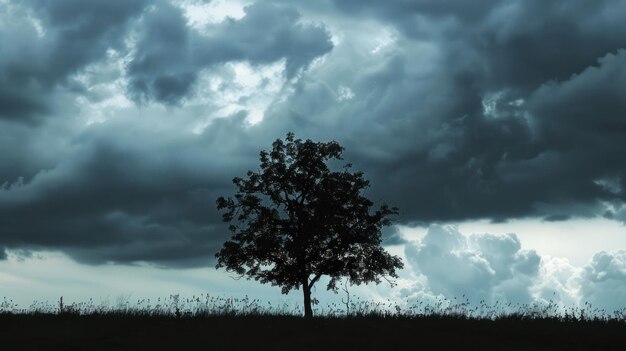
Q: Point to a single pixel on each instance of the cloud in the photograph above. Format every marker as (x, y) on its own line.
(46, 42)
(165, 67)
(507, 109)
(494, 268)
(416, 134)
(392, 236)
(506, 44)
(84, 189)
(475, 115)
(112, 200)
(482, 267)
(161, 67)
(557, 283)
(603, 281)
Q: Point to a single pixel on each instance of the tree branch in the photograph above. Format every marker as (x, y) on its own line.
(314, 280)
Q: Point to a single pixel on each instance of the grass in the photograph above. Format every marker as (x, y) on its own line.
(209, 322)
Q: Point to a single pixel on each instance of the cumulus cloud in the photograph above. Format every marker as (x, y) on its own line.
(482, 266)
(495, 269)
(557, 283)
(603, 281)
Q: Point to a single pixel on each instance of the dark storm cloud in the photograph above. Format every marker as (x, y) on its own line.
(436, 157)
(169, 54)
(83, 30)
(396, 10)
(124, 197)
(476, 136)
(73, 34)
(90, 196)
(583, 122)
(527, 43)
(161, 68)
(392, 236)
(505, 109)
(517, 44)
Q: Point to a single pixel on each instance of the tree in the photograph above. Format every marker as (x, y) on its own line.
(295, 221)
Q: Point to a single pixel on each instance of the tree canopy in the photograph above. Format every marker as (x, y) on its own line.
(296, 220)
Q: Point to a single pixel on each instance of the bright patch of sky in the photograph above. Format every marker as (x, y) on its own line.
(239, 87)
(45, 276)
(576, 240)
(37, 24)
(201, 13)
(384, 39)
(104, 97)
(344, 93)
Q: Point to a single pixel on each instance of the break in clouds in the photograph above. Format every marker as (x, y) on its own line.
(122, 121)
(446, 263)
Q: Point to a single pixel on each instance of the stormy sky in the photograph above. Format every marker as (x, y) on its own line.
(497, 127)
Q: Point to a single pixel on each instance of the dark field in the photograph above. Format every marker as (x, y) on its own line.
(127, 332)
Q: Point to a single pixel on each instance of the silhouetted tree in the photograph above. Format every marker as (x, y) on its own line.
(296, 220)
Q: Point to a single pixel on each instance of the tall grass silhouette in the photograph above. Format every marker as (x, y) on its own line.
(209, 321)
(207, 305)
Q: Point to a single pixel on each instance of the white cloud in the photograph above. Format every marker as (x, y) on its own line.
(495, 268)
(556, 282)
(575, 239)
(344, 93)
(603, 281)
(482, 266)
(36, 22)
(200, 13)
(385, 39)
(238, 86)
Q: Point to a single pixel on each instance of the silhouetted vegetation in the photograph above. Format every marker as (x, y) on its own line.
(220, 323)
(206, 305)
(296, 220)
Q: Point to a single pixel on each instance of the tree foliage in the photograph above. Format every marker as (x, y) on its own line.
(296, 220)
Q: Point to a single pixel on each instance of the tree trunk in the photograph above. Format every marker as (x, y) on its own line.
(308, 311)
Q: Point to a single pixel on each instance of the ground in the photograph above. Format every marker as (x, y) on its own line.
(71, 332)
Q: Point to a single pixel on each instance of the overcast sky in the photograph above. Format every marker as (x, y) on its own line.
(497, 127)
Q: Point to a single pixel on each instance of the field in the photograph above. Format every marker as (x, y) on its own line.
(73, 332)
(242, 325)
